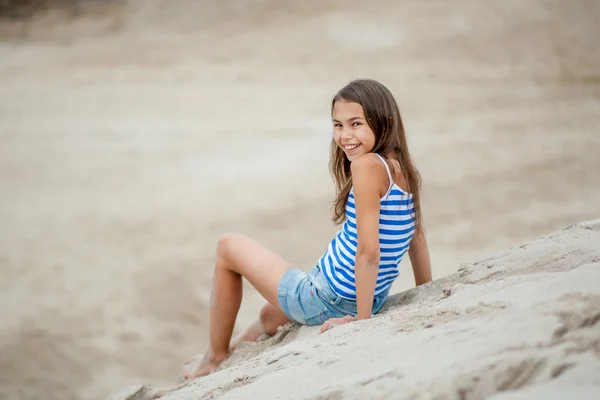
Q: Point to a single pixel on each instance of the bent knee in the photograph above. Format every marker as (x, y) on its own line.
(272, 318)
(265, 313)
(227, 242)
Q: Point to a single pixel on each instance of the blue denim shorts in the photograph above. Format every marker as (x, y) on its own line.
(307, 298)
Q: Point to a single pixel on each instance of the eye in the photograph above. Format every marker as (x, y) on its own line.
(356, 123)
(337, 125)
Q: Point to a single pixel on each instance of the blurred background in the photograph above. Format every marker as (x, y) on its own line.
(134, 133)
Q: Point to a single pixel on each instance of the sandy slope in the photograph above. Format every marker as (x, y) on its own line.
(125, 153)
(523, 323)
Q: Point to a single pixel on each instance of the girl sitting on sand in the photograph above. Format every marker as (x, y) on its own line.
(378, 203)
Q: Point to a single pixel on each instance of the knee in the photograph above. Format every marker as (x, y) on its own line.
(264, 314)
(269, 320)
(226, 243)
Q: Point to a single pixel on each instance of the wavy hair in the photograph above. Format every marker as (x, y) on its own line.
(383, 117)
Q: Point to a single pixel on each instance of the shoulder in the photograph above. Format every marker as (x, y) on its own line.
(369, 162)
(368, 171)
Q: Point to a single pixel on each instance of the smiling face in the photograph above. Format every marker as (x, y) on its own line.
(351, 132)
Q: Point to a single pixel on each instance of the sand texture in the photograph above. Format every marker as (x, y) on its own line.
(521, 324)
(133, 136)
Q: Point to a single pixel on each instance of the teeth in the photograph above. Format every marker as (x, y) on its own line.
(351, 146)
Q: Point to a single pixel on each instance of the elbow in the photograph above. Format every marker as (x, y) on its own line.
(368, 258)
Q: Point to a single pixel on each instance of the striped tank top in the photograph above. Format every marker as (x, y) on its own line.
(396, 229)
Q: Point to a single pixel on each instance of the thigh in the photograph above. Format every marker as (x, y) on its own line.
(259, 265)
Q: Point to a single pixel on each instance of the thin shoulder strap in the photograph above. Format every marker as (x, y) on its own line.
(387, 168)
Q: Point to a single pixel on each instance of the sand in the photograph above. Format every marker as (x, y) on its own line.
(131, 139)
(521, 324)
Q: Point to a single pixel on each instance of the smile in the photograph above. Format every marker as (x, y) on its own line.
(351, 147)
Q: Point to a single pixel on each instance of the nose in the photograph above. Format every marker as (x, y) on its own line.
(346, 133)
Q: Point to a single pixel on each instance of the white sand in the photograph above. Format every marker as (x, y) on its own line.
(127, 148)
(522, 324)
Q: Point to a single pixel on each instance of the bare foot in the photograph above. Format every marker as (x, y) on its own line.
(189, 361)
(210, 363)
(251, 334)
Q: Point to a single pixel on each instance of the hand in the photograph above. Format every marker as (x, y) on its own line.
(331, 322)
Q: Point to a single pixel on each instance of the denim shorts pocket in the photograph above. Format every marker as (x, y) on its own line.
(318, 319)
(314, 309)
(344, 306)
(336, 305)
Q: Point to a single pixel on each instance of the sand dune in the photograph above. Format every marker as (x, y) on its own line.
(521, 324)
(131, 138)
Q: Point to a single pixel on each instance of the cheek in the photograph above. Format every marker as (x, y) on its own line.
(372, 138)
(337, 136)
(368, 138)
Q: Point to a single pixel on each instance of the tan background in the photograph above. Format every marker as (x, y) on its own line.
(131, 137)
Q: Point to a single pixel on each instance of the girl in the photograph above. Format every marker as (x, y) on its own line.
(378, 203)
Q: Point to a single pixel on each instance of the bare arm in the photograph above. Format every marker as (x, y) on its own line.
(419, 258)
(368, 177)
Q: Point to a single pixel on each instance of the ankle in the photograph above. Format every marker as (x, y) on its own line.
(218, 356)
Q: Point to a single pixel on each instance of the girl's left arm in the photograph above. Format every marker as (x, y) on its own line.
(419, 258)
(365, 171)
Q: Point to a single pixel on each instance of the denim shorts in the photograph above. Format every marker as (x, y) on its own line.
(307, 298)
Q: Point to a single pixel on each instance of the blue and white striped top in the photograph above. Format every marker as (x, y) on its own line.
(396, 229)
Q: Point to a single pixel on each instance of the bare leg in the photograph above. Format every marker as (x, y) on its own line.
(237, 256)
(271, 318)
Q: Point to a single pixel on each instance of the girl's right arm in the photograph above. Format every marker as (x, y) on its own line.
(419, 258)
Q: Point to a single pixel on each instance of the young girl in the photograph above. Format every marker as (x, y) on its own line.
(378, 203)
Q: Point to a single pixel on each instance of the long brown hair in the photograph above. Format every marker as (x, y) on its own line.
(383, 117)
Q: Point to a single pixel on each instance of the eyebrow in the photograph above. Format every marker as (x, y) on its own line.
(349, 119)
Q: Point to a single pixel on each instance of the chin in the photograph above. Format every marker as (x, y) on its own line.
(353, 157)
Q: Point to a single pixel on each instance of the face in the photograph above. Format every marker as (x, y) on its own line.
(350, 129)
